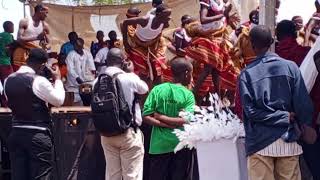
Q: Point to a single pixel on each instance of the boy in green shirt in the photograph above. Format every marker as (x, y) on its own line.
(6, 39)
(161, 110)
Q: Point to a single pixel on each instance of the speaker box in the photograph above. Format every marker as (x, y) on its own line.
(5, 126)
(79, 155)
(78, 151)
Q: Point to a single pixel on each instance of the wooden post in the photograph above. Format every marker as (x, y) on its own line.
(267, 15)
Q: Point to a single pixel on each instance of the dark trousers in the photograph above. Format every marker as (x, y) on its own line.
(5, 71)
(311, 155)
(31, 154)
(171, 166)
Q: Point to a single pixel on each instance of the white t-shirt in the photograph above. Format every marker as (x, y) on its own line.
(101, 57)
(79, 66)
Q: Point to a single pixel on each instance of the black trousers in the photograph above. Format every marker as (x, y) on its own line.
(311, 155)
(180, 166)
(31, 154)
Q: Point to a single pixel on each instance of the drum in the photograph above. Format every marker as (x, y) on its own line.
(69, 99)
(85, 91)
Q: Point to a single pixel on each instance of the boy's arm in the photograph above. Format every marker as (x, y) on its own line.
(173, 121)
(155, 122)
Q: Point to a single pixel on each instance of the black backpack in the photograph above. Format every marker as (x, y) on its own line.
(110, 112)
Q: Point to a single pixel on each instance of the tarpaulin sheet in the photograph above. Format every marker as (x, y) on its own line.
(87, 20)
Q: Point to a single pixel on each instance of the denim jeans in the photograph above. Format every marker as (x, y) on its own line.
(31, 154)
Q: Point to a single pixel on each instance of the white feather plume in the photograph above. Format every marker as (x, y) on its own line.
(209, 124)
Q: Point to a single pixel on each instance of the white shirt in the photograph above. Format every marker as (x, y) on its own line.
(101, 57)
(79, 66)
(43, 89)
(131, 84)
(279, 148)
(1, 88)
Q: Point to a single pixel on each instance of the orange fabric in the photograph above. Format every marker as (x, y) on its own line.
(215, 50)
(21, 53)
(244, 47)
(63, 71)
(141, 52)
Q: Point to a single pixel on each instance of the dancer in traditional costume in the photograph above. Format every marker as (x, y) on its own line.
(179, 42)
(244, 47)
(211, 49)
(146, 49)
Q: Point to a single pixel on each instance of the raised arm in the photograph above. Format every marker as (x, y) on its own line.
(46, 31)
(124, 28)
(23, 25)
(204, 18)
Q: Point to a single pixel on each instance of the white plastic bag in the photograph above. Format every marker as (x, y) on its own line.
(308, 67)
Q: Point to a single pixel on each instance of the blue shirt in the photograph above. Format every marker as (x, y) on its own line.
(66, 48)
(270, 88)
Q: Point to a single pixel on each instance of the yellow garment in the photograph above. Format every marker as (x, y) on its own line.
(244, 47)
(21, 53)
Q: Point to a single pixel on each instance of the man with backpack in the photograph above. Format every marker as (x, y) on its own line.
(113, 113)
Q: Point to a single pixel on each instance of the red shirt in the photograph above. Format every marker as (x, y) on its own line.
(288, 48)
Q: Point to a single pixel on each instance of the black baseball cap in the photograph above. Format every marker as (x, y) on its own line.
(38, 56)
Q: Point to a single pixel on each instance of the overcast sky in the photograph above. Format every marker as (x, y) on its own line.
(13, 10)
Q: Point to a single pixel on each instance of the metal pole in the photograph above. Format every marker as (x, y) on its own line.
(267, 15)
(24, 9)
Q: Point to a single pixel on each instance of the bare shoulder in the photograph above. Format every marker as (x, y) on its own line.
(24, 22)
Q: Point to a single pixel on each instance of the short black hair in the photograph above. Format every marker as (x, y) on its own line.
(37, 56)
(39, 7)
(133, 11)
(286, 28)
(295, 17)
(72, 34)
(157, 2)
(112, 33)
(252, 13)
(6, 25)
(161, 8)
(179, 66)
(261, 36)
(185, 19)
(99, 32)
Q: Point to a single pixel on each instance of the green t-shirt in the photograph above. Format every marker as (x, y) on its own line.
(167, 99)
(5, 40)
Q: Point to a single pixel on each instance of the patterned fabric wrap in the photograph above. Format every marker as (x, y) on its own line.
(141, 52)
(215, 50)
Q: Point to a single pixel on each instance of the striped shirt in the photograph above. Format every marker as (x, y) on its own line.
(279, 148)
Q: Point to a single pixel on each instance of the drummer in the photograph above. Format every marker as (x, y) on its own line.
(81, 71)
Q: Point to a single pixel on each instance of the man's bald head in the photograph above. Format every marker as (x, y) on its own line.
(261, 37)
(133, 12)
(115, 57)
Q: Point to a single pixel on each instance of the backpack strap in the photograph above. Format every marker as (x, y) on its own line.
(134, 124)
(97, 85)
(133, 110)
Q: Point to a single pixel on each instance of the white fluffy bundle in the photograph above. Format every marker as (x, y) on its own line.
(209, 124)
